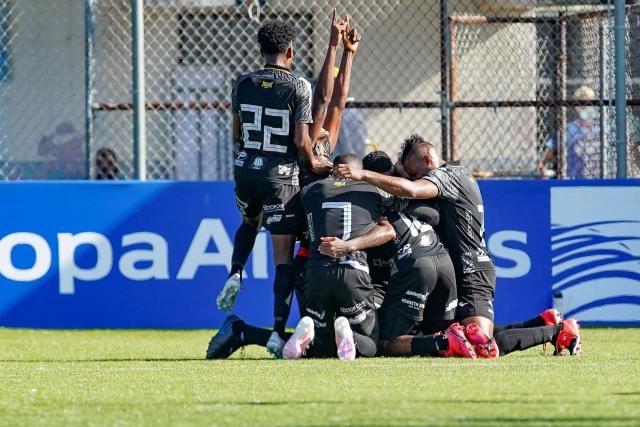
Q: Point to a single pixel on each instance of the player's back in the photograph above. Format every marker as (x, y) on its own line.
(343, 209)
(270, 102)
(415, 237)
(461, 218)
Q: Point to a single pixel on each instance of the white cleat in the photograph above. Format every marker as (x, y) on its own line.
(274, 345)
(344, 339)
(227, 296)
(300, 340)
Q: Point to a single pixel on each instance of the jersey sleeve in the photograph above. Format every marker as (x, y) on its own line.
(302, 102)
(442, 179)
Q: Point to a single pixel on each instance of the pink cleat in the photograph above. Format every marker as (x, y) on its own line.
(298, 343)
(344, 339)
(485, 347)
(551, 317)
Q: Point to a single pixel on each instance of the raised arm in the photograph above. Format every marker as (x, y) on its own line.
(380, 234)
(402, 187)
(324, 87)
(338, 102)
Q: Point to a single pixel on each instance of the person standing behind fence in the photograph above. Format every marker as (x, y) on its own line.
(583, 141)
(107, 164)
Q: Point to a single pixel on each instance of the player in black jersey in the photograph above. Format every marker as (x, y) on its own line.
(271, 124)
(339, 291)
(462, 231)
(421, 295)
(327, 108)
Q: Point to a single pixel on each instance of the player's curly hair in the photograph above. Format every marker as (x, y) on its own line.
(408, 145)
(377, 161)
(275, 36)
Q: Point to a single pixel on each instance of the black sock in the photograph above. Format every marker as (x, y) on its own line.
(531, 323)
(365, 346)
(243, 243)
(283, 285)
(511, 340)
(429, 345)
(249, 334)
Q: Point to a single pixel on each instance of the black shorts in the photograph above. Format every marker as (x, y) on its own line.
(475, 294)
(279, 204)
(422, 297)
(338, 291)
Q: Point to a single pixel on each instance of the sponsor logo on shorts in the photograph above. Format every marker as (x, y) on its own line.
(413, 304)
(354, 308)
(273, 208)
(316, 314)
(284, 170)
(378, 262)
(258, 163)
(462, 304)
(274, 218)
(359, 318)
(422, 297)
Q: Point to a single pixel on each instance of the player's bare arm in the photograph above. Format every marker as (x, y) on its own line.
(380, 234)
(351, 41)
(302, 140)
(401, 187)
(324, 88)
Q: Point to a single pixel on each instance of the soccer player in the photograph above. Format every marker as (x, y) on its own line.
(462, 232)
(339, 292)
(421, 295)
(271, 120)
(327, 108)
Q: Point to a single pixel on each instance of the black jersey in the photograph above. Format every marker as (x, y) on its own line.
(344, 209)
(415, 237)
(461, 219)
(270, 102)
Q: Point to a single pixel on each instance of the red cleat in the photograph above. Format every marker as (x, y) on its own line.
(485, 347)
(568, 339)
(551, 317)
(459, 346)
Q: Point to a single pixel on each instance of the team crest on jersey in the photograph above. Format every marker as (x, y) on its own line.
(267, 85)
(258, 163)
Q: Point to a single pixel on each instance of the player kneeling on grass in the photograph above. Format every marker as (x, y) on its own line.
(421, 295)
(462, 228)
(339, 294)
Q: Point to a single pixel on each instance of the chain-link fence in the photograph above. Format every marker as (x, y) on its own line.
(491, 83)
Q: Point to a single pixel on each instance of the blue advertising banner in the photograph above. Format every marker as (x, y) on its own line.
(155, 255)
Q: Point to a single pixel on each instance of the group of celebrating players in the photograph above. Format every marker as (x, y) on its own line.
(391, 258)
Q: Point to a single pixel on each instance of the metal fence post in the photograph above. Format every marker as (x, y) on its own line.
(138, 92)
(89, 45)
(621, 93)
(445, 63)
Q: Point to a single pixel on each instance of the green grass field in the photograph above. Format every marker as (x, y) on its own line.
(160, 378)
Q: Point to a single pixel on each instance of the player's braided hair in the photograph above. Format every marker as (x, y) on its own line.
(275, 36)
(377, 161)
(408, 145)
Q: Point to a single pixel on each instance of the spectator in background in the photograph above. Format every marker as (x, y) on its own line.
(353, 131)
(583, 140)
(107, 164)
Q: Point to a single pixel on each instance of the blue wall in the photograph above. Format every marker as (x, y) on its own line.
(155, 255)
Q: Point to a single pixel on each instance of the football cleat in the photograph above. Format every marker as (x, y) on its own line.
(225, 342)
(227, 296)
(459, 346)
(298, 343)
(551, 317)
(344, 339)
(568, 339)
(274, 345)
(485, 347)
